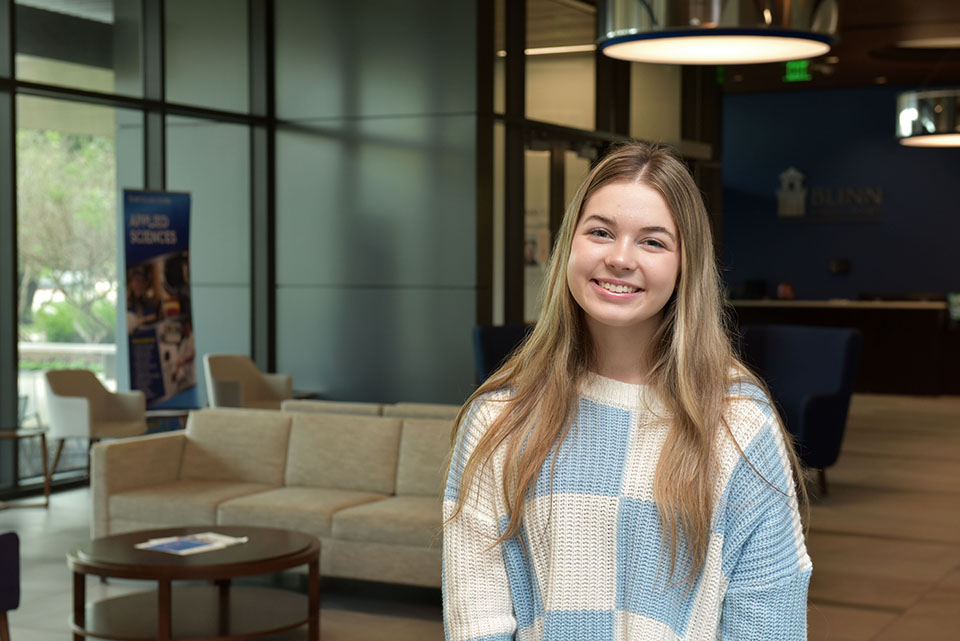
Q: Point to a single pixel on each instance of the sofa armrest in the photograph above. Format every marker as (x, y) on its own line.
(280, 385)
(226, 394)
(125, 464)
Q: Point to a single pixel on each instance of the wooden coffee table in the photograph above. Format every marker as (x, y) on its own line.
(196, 611)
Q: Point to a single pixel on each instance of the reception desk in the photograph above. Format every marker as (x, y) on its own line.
(908, 346)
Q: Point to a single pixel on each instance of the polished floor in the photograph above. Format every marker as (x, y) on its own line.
(885, 544)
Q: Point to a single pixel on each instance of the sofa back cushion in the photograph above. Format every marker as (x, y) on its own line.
(424, 448)
(422, 410)
(343, 452)
(236, 445)
(332, 407)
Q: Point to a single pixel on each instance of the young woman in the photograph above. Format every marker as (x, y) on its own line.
(623, 475)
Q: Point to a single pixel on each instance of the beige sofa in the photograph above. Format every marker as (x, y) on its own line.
(369, 487)
(405, 410)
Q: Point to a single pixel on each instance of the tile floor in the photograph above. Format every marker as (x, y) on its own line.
(885, 544)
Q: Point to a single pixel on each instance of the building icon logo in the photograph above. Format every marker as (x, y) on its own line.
(792, 195)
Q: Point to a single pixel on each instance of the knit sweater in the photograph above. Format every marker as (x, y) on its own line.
(592, 563)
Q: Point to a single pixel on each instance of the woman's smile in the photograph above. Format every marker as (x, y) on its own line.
(616, 287)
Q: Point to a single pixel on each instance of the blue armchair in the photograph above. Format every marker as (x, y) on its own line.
(492, 344)
(9, 579)
(810, 373)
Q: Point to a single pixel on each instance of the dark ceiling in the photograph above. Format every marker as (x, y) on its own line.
(865, 53)
(866, 50)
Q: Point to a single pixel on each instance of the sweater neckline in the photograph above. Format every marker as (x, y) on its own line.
(611, 391)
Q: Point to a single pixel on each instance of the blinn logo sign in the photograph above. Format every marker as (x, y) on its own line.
(833, 203)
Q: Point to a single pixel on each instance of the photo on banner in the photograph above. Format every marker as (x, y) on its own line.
(158, 309)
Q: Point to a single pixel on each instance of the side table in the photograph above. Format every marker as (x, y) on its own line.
(16, 435)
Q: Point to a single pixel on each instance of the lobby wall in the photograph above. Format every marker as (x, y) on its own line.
(843, 142)
(376, 198)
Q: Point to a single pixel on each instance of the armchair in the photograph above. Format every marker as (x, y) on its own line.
(79, 406)
(810, 373)
(492, 344)
(234, 380)
(9, 579)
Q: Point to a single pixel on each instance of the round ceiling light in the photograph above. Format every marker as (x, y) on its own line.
(929, 118)
(731, 32)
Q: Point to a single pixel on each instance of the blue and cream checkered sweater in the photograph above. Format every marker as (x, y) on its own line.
(592, 563)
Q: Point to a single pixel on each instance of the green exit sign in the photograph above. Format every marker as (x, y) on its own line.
(797, 71)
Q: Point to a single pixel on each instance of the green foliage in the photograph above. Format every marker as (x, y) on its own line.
(67, 230)
(40, 366)
(64, 323)
(56, 322)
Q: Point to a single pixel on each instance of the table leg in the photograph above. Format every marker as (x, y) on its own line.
(313, 602)
(224, 606)
(79, 604)
(46, 476)
(163, 610)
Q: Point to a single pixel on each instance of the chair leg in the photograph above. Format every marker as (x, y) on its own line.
(56, 457)
(822, 477)
(4, 627)
(90, 444)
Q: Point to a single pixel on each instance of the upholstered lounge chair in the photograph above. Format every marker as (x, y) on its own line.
(79, 406)
(9, 579)
(233, 380)
(492, 344)
(810, 372)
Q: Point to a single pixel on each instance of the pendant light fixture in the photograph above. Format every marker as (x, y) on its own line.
(929, 118)
(712, 32)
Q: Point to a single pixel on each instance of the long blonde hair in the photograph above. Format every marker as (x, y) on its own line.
(692, 367)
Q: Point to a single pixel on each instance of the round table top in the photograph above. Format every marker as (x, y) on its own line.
(266, 550)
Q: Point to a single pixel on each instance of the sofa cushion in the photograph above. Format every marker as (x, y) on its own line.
(343, 452)
(306, 509)
(422, 410)
(398, 520)
(236, 445)
(422, 462)
(332, 407)
(407, 564)
(185, 502)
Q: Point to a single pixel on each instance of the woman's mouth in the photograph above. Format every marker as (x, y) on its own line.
(617, 288)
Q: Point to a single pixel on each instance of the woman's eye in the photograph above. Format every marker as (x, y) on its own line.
(653, 242)
(599, 233)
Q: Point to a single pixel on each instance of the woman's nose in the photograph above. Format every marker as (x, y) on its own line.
(621, 256)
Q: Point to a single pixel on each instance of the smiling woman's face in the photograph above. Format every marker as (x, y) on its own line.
(625, 258)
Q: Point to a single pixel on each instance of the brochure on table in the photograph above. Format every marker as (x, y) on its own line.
(191, 543)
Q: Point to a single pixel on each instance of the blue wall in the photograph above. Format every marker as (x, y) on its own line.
(838, 139)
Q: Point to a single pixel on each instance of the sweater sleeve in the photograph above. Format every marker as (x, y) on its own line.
(764, 556)
(476, 594)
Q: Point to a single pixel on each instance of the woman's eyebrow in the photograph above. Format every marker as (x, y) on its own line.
(603, 220)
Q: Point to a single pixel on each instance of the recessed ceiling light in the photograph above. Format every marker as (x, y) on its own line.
(949, 42)
(546, 51)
